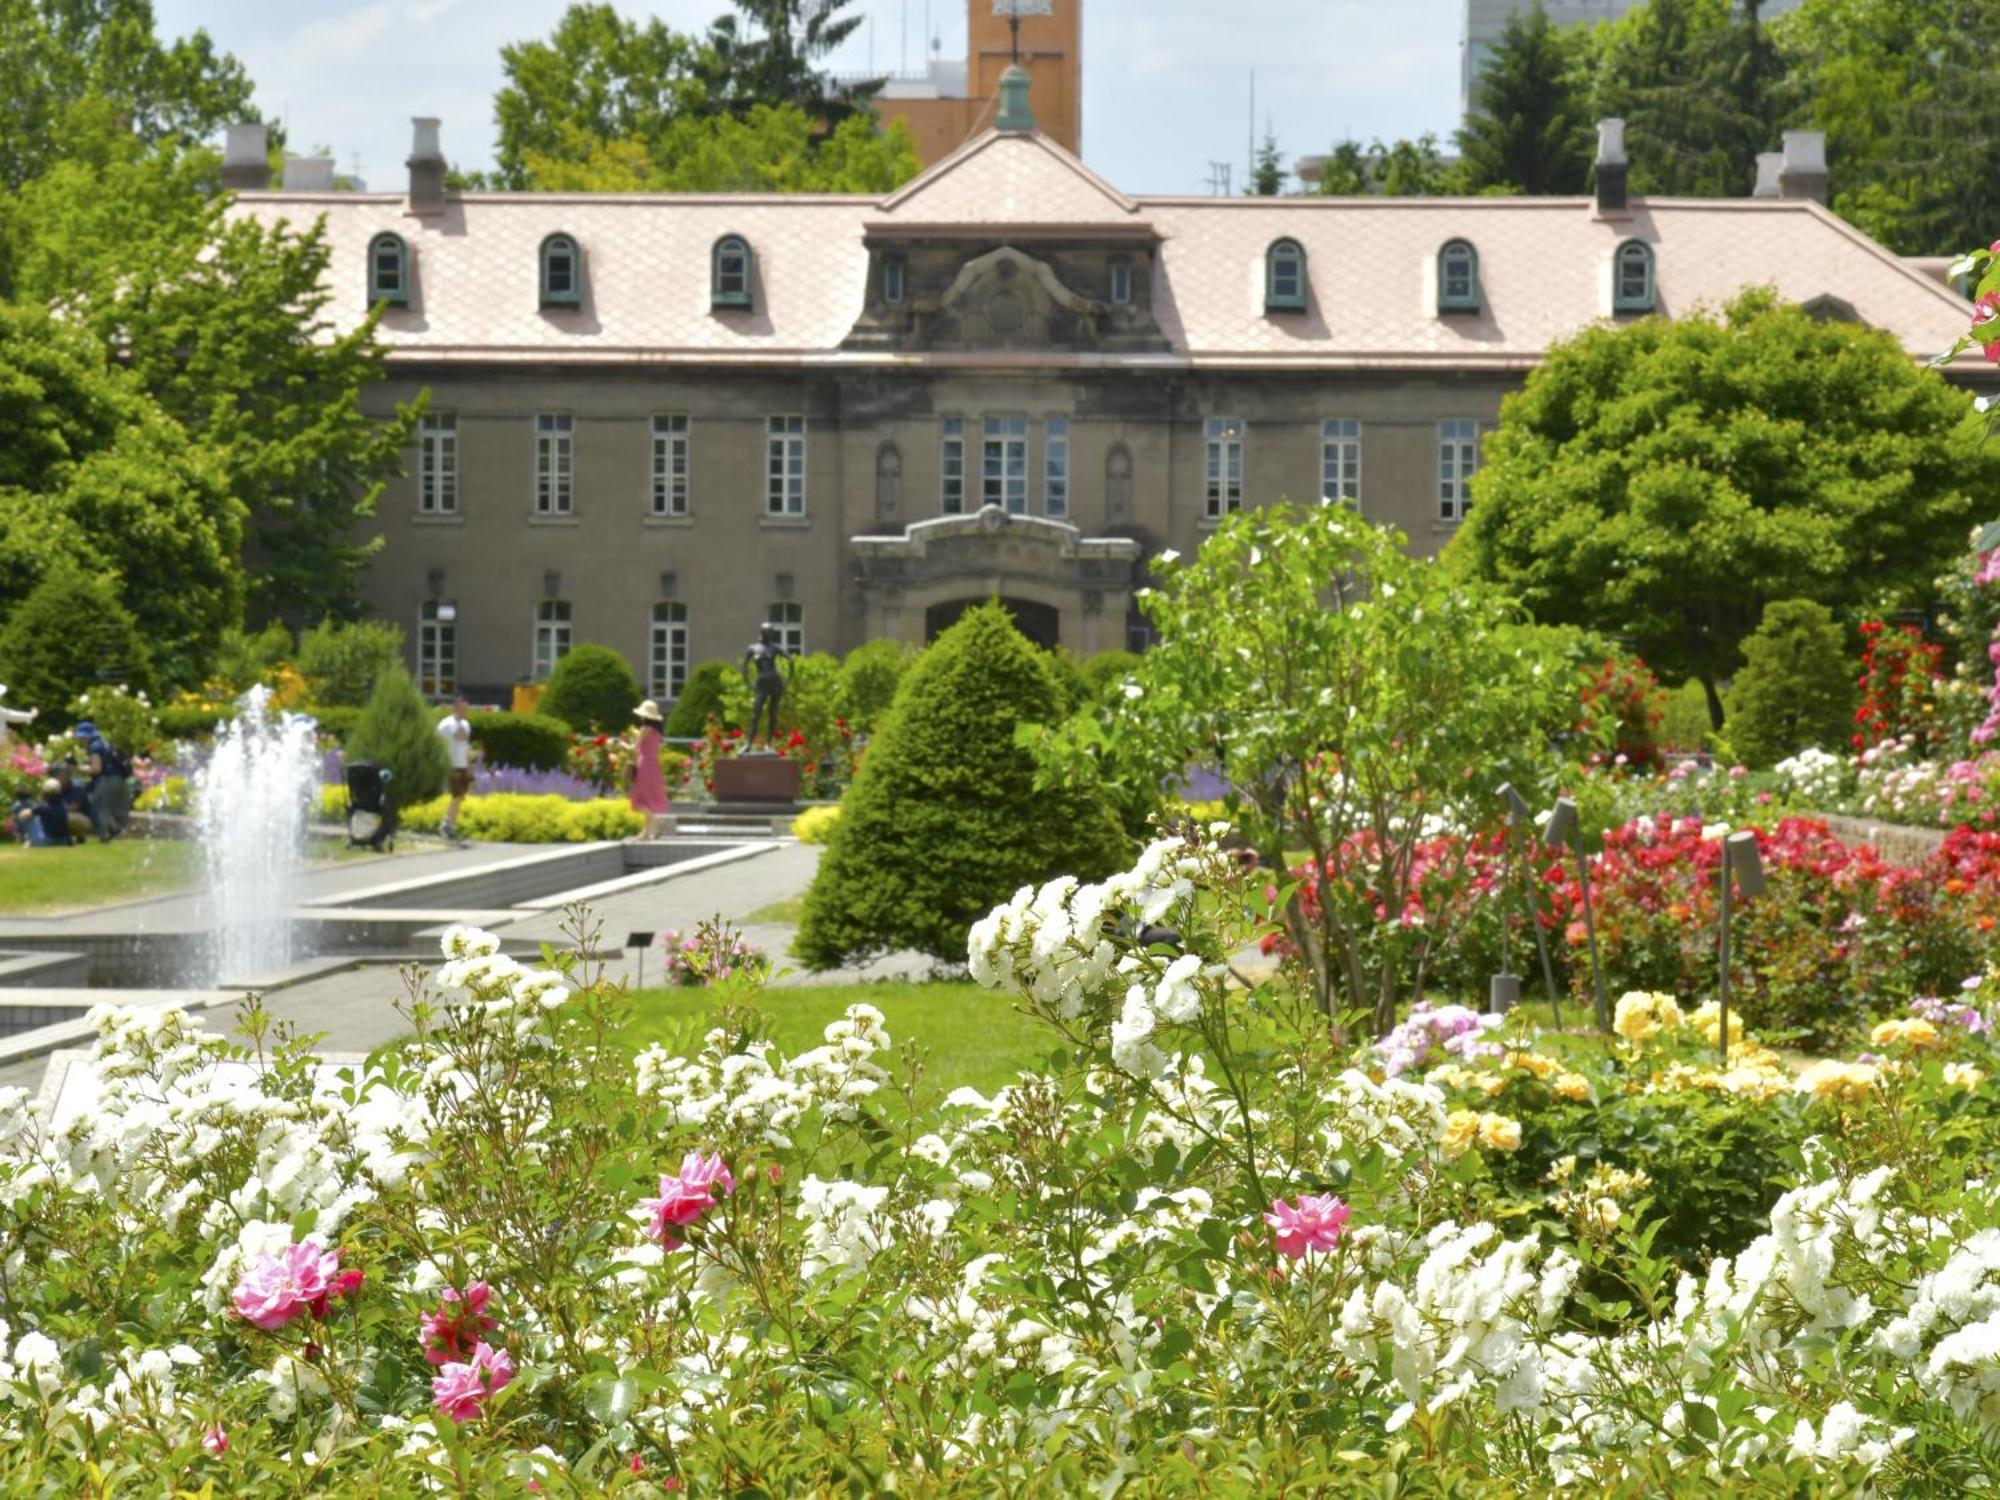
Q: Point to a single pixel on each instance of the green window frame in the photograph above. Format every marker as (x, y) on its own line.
(1458, 277)
(732, 272)
(389, 270)
(1285, 276)
(1634, 279)
(561, 271)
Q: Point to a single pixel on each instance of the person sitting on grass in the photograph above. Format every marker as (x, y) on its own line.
(51, 827)
(76, 796)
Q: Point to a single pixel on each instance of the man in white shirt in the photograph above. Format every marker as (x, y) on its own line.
(456, 731)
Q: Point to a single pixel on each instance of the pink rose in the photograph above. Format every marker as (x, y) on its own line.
(1315, 1222)
(458, 1324)
(277, 1288)
(460, 1391)
(214, 1439)
(686, 1197)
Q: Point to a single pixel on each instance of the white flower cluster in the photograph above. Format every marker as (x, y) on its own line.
(489, 981)
(1818, 778)
(845, 1226)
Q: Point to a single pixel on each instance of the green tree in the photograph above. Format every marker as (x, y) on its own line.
(943, 819)
(1267, 173)
(776, 58)
(772, 149)
(396, 730)
(91, 470)
(1530, 126)
(701, 700)
(342, 662)
(70, 634)
(1659, 482)
(1796, 688)
(1406, 169)
(869, 677)
(592, 689)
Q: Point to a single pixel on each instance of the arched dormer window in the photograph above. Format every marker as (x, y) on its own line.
(388, 270)
(732, 268)
(1458, 277)
(1633, 287)
(1285, 277)
(561, 272)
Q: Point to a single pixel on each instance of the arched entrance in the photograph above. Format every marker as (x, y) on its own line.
(1038, 622)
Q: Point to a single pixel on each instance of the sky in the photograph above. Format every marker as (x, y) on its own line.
(1167, 83)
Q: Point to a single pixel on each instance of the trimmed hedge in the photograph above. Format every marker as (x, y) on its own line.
(513, 818)
(701, 699)
(529, 742)
(591, 690)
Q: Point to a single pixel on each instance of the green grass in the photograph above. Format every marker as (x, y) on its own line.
(973, 1036)
(785, 913)
(38, 882)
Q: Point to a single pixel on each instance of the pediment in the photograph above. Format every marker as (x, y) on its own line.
(1004, 177)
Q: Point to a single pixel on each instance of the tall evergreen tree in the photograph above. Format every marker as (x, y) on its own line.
(1530, 126)
(1267, 172)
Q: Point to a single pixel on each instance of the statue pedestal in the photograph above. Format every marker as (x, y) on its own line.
(756, 778)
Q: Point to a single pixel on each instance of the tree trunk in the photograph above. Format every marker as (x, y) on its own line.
(1714, 702)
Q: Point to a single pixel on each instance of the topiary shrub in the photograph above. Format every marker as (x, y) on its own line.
(943, 820)
(1794, 690)
(530, 742)
(702, 699)
(398, 730)
(70, 634)
(869, 678)
(592, 689)
(341, 663)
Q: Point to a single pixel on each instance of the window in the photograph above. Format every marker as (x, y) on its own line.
(670, 466)
(1121, 281)
(1225, 465)
(554, 463)
(562, 272)
(1458, 461)
(389, 270)
(789, 620)
(893, 274)
(1285, 277)
(785, 466)
(731, 277)
(1055, 467)
(1458, 278)
(951, 465)
(668, 656)
(551, 636)
(437, 463)
(1340, 462)
(437, 648)
(1632, 272)
(1003, 471)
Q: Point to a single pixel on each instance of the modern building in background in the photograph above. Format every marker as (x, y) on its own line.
(1485, 20)
(660, 421)
(953, 100)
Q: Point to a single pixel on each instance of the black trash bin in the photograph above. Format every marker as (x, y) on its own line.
(371, 807)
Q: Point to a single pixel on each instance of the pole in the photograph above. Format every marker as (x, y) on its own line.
(1590, 935)
(1541, 941)
(1722, 980)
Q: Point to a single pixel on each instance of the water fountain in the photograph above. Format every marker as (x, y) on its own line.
(251, 803)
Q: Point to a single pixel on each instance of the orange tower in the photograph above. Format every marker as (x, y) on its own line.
(952, 102)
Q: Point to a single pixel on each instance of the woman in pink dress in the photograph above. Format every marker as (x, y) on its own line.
(649, 787)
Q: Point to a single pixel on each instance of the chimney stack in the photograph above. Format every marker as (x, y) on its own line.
(1611, 169)
(426, 166)
(308, 174)
(246, 161)
(1802, 169)
(1769, 165)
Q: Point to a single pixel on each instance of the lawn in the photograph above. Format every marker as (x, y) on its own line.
(972, 1035)
(37, 882)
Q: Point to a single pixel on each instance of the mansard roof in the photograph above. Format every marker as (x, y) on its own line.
(1544, 267)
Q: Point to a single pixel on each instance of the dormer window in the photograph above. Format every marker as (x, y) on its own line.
(389, 270)
(731, 272)
(1285, 277)
(561, 272)
(894, 272)
(1458, 278)
(1633, 287)
(1121, 281)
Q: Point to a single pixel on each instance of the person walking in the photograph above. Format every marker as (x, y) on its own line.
(456, 731)
(110, 782)
(649, 787)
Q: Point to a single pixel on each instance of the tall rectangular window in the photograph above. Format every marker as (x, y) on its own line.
(1458, 461)
(1340, 462)
(1121, 281)
(551, 636)
(951, 466)
(437, 648)
(670, 466)
(437, 463)
(1004, 467)
(1055, 466)
(555, 461)
(668, 657)
(785, 466)
(1224, 492)
(790, 620)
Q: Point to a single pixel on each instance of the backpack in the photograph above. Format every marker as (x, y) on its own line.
(115, 763)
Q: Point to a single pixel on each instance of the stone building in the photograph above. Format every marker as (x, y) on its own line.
(660, 421)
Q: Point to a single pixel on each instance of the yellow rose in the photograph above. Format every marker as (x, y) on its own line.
(1573, 1087)
(1560, 1172)
(1605, 1214)
(1832, 1079)
(1963, 1075)
(1707, 1019)
(1490, 1084)
(1641, 1016)
(1911, 1031)
(1532, 1062)
(1499, 1133)
(1461, 1133)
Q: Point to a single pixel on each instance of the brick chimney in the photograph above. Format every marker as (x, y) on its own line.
(426, 166)
(1802, 168)
(246, 161)
(308, 174)
(1610, 169)
(1769, 165)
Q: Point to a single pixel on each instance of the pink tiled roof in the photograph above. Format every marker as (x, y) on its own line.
(1544, 264)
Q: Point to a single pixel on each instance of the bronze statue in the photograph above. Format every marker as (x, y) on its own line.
(764, 654)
